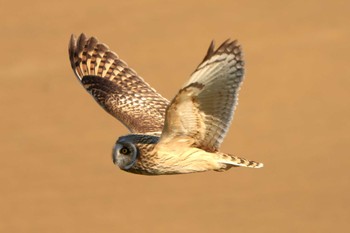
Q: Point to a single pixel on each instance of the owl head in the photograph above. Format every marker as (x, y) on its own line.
(129, 149)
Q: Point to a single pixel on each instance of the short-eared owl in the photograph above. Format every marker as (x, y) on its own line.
(181, 136)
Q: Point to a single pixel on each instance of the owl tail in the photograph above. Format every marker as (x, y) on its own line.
(234, 161)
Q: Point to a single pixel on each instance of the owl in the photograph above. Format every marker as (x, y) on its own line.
(177, 137)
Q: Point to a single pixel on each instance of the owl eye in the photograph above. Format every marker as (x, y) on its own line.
(124, 151)
(124, 155)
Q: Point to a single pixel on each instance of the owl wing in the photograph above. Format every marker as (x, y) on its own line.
(203, 109)
(116, 87)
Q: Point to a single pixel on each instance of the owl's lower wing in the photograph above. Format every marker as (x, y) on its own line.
(116, 87)
(204, 107)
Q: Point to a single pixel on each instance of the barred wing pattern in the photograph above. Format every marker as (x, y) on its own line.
(116, 87)
(203, 109)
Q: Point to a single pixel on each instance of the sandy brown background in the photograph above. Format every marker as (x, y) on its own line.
(56, 172)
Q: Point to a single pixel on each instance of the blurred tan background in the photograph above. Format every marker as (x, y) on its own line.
(56, 171)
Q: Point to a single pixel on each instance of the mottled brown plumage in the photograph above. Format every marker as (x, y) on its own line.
(181, 137)
(116, 87)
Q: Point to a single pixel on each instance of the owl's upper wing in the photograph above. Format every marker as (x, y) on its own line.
(115, 86)
(204, 107)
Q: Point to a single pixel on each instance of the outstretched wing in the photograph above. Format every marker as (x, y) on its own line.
(116, 87)
(204, 107)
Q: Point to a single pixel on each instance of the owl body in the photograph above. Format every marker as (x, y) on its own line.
(171, 158)
(174, 157)
(167, 137)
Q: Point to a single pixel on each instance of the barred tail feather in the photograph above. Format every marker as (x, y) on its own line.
(239, 162)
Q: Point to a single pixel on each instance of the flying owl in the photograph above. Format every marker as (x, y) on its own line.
(181, 136)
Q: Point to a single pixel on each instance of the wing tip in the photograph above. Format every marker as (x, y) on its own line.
(210, 51)
(71, 49)
(81, 49)
(81, 41)
(75, 46)
(229, 46)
